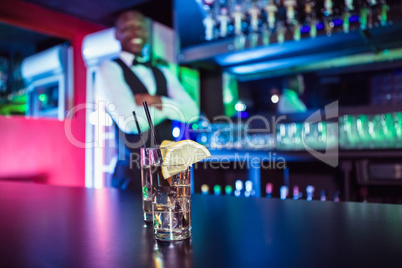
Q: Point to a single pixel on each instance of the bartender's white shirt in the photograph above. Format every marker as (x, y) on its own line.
(289, 102)
(120, 103)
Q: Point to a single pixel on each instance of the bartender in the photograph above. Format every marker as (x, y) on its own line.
(124, 83)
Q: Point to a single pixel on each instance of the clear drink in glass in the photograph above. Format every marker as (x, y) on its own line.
(171, 204)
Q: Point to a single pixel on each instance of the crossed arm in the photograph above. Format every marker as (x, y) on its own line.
(120, 101)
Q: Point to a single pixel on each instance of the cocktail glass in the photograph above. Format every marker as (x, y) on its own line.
(146, 183)
(171, 201)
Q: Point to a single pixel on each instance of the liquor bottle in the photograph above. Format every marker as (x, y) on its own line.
(269, 189)
(290, 10)
(224, 20)
(311, 18)
(292, 18)
(255, 14)
(238, 17)
(268, 27)
(310, 192)
(271, 9)
(209, 24)
(284, 191)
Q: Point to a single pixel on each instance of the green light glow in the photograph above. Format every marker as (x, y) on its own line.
(228, 189)
(195, 126)
(190, 79)
(43, 97)
(145, 192)
(217, 189)
(230, 94)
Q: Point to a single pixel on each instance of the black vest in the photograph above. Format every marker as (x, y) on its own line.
(164, 129)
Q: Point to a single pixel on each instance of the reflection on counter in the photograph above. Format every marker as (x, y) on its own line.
(172, 254)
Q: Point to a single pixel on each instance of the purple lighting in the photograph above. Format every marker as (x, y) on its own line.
(320, 26)
(305, 29)
(337, 22)
(354, 18)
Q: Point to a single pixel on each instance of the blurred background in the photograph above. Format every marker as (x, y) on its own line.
(235, 58)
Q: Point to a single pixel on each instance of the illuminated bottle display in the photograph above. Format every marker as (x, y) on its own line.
(261, 19)
(228, 190)
(239, 188)
(310, 192)
(254, 13)
(209, 24)
(217, 190)
(284, 191)
(269, 189)
(337, 197)
(249, 189)
(296, 192)
(384, 8)
(224, 20)
(205, 189)
(323, 195)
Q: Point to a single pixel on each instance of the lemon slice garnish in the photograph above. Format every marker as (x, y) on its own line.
(164, 145)
(181, 155)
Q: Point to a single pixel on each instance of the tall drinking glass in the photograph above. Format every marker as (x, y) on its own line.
(171, 201)
(146, 183)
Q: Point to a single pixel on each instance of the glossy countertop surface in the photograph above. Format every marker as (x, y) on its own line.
(53, 226)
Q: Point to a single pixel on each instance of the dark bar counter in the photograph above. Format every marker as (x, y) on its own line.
(52, 226)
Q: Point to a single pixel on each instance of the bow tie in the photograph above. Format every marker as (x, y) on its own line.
(145, 63)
